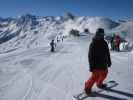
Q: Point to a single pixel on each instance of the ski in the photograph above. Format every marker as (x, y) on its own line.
(83, 95)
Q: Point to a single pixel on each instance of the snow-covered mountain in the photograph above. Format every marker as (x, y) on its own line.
(29, 31)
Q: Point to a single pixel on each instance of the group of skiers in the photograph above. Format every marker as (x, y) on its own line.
(115, 42)
(53, 43)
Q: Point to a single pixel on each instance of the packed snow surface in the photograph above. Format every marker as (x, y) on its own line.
(38, 74)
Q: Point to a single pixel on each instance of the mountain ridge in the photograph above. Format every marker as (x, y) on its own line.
(32, 31)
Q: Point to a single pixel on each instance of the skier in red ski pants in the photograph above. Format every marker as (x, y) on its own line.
(99, 61)
(97, 76)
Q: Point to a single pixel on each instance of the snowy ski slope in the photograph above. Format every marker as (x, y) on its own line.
(37, 74)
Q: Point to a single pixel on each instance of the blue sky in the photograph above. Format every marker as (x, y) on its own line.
(115, 9)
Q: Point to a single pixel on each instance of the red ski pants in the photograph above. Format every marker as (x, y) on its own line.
(98, 76)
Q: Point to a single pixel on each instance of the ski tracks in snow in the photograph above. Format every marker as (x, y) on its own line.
(38, 74)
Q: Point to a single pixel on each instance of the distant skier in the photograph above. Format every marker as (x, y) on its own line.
(52, 44)
(86, 31)
(112, 42)
(99, 61)
(62, 38)
(58, 40)
(117, 41)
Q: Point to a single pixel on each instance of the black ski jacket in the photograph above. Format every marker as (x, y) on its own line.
(99, 55)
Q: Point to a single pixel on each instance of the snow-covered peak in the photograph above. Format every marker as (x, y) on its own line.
(27, 16)
(68, 16)
(28, 30)
(92, 23)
